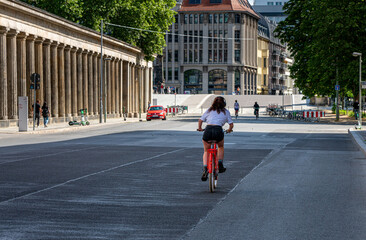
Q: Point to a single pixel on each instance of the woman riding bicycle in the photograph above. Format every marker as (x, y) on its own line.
(215, 117)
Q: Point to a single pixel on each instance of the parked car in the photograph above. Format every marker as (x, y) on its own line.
(156, 112)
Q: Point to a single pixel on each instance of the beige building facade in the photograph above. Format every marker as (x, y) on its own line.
(68, 58)
(212, 48)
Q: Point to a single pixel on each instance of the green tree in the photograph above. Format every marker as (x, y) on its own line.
(153, 15)
(322, 34)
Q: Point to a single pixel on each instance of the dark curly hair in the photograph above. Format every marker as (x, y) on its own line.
(218, 105)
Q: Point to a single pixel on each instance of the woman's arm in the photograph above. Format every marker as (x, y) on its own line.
(200, 125)
(231, 126)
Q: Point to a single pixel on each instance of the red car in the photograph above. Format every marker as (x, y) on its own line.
(156, 112)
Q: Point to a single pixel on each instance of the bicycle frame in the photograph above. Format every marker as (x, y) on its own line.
(212, 166)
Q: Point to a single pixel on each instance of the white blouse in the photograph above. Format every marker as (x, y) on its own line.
(214, 118)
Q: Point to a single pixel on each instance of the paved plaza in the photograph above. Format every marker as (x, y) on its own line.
(141, 180)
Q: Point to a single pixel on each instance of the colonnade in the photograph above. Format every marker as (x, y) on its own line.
(70, 78)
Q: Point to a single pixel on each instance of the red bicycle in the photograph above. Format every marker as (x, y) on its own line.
(212, 166)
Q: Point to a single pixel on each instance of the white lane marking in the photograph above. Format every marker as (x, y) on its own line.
(89, 175)
(47, 155)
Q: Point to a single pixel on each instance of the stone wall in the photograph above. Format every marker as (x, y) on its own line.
(68, 58)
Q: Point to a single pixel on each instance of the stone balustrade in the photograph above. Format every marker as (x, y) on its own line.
(68, 58)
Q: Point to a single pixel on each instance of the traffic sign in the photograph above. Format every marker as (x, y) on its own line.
(337, 87)
(363, 84)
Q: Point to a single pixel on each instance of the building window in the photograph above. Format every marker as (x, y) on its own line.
(270, 3)
(201, 52)
(190, 56)
(210, 16)
(185, 55)
(215, 18)
(265, 80)
(278, 3)
(226, 17)
(264, 62)
(225, 35)
(195, 36)
(195, 55)
(176, 73)
(215, 35)
(176, 37)
(185, 36)
(170, 78)
(221, 18)
(201, 18)
(169, 56)
(210, 35)
(237, 35)
(185, 18)
(237, 80)
(193, 81)
(217, 82)
(210, 56)
(215, 1)
(194, 1)
(220, 55)
(220, 35)
(237, 55)
(170, 37)
(225, 56)
(190, 18)
(195, 18)
(237, 18)
(215, 56)
(190, 36)
(201, 36)
(176, 56)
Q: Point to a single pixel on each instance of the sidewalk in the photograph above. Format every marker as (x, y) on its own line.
(64, 127)
(359, 138)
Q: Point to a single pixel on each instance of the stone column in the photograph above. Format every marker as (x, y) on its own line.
(113, 86)
(205, 80)
(85, 80)
(68, 84)
(61, 80)
(47, 72)
(109, 87)
(3, 75)
(54, 80)
(95, 84)
(120, 80)
(22, 64)
(125, 86)
(132, 90)
(80, 80)
(12, 74)
(74, 82)
(39, 67)
(230, 81)
(98, 84)
(242, 83)
(30, 70)
(116, 97)
(90, 84)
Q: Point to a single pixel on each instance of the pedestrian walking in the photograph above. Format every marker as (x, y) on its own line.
(45, 113)
(38, 111)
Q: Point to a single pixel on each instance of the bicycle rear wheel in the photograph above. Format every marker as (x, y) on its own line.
(211, 175)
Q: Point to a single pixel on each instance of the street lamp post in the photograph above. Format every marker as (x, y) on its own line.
(357, 54)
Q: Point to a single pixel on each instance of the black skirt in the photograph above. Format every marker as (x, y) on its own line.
(213, 132)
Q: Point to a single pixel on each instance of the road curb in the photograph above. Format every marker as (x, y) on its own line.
(358, 140)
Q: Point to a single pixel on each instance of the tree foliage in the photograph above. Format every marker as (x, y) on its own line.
(153, 15)
(322, 35)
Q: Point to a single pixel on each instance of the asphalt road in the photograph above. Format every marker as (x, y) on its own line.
(285, 180)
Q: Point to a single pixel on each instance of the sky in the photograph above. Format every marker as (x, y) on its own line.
(251, 2)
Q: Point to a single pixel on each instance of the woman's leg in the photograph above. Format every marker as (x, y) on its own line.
(206, 146)
(220, 153)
